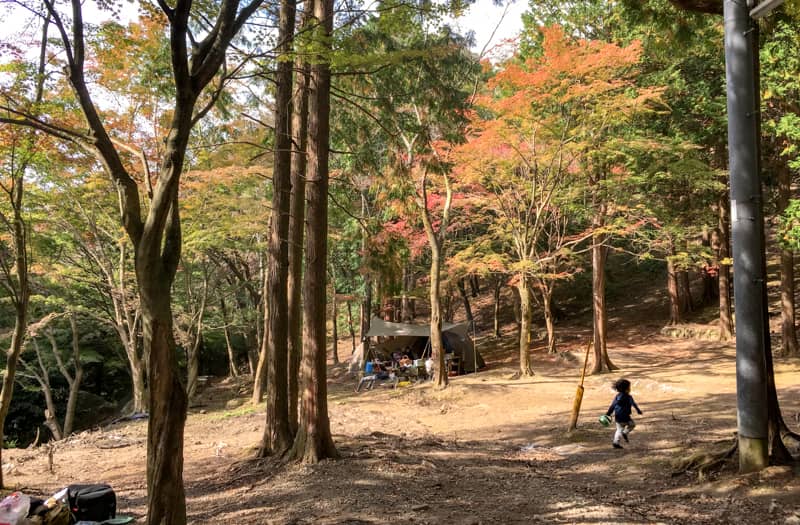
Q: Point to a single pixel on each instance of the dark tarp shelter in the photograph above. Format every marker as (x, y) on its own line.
(455, 337)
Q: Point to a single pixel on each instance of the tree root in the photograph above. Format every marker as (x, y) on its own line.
(705, 463)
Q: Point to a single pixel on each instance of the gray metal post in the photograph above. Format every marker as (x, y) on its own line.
(747, 228)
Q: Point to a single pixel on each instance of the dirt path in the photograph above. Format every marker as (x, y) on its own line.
(486, 450)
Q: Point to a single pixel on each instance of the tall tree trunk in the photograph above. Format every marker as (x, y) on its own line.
(366, 306)
(277, 434)
(462, 289)
(526, 316)
(313, 441)
(685, 291)
(126, 323)
(601, 360)
(474, 283)
(447, 310)
(20, 319)
(335, 328)
(296, 232)
(252, 359)
(436, 244)
(166, 500)
(193, 362)
(75, 380)
(405, 307)
(709, 276)
(43, 378)
(549, 318)
(350, 325)
(233, 370)
(498, 284)
(260, 377)
(158, 252)
(672, 290)
(723, 256)
(440, 378)
(156, 262)
(788, 331)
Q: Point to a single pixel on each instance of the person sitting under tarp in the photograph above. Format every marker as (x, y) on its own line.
(373, 371)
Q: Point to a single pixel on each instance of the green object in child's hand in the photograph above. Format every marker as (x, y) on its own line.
(605, 420)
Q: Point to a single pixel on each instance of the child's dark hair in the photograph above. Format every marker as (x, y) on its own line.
(622, 385)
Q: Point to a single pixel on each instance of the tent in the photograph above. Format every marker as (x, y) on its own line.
(455, 338)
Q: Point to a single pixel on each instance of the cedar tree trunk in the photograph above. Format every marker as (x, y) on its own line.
(296, 233)
(723, 256)
(277, 435)
(672, 291)
(313, 441)
(788, 332)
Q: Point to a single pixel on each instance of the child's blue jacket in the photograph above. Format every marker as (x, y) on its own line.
(621, 406)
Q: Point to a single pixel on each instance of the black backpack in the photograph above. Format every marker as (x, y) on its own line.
(91, 502)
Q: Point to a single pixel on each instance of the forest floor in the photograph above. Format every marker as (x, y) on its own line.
(488, 449)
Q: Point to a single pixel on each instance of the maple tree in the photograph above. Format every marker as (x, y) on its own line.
(548, 135)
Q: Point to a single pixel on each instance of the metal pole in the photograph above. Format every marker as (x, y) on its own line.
(747, 228)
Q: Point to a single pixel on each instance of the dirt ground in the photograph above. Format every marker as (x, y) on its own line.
(488, 449)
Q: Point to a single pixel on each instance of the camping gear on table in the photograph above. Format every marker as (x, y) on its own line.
(13, 508)
(92, 502)
(455, 338)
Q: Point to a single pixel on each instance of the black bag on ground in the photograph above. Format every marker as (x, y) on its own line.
(92, 502)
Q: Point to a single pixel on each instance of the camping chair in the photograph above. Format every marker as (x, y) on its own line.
(366, 380)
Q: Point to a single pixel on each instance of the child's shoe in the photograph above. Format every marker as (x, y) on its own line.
(625, 437)
(616, 445)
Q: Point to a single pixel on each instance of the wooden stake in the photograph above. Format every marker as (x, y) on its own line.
(576, 406)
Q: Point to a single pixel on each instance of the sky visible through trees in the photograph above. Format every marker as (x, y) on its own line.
(206, 198)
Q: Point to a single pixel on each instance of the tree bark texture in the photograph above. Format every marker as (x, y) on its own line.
(350, 326)
(788, 331)
(260, 377)
(602, 362)
(440, 378)
(335, 328)
(723, 256)
(313, 441)
(168, 403)
(685, 291)
(526, 316)
(233, 370)
(193, 352)
(73, 380)
(549, 317)
(672, 291)
(43, 378)
(277, 435)
(20, 301)
(462, 289)
(297, 209)
(498, 284)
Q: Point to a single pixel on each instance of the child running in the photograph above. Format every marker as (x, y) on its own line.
(621, 406)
